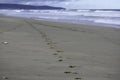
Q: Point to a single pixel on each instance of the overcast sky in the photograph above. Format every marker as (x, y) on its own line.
(81, 4)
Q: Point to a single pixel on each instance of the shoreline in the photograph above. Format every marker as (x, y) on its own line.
(84, 23)
(44, 50)
(87, 23)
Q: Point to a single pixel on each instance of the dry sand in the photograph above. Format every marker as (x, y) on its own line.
(41, 50)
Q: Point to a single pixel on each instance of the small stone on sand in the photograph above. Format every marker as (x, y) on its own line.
(4, 77)
(5, 42)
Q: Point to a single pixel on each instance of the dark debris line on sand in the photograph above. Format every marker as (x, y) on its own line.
(53, 46)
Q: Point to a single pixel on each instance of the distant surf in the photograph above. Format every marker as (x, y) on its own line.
(108, 18)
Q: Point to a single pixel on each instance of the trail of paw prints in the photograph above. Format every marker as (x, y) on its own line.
(49, 42)
(58, 53)
(46, 38)
(71, 71)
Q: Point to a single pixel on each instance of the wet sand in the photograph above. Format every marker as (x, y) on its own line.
(42, 50)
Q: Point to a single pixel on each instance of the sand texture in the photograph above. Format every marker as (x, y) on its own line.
(41, 50)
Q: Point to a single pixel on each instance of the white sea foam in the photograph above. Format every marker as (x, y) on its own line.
(98, 16)
(116, 22)
(102, 14)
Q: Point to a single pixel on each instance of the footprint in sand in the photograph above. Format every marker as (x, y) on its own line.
(60, 60)
(75, 73)
(55, 54)
(59, 51)
(48, 43)
(67, 72)
(71, 66)
(78, 78)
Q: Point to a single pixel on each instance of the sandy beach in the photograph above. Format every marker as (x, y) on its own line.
(44, 50)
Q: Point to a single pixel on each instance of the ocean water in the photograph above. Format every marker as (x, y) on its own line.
(108, 18)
